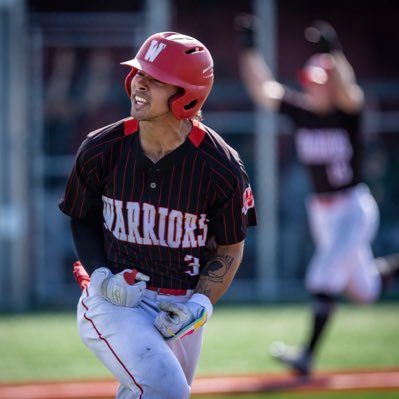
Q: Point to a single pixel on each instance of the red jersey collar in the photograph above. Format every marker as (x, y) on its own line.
(131, 126)
(196, 135)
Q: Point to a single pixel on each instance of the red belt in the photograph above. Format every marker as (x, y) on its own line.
(326, 200)
(169, 291)
(331, 198)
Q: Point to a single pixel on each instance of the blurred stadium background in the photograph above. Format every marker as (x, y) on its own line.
(60, 78)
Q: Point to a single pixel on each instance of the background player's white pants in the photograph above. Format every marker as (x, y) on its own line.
(343, 231)
(129, 345)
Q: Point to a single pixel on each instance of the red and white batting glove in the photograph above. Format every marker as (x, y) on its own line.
(81, 276)
(176, 320)
(121, 289)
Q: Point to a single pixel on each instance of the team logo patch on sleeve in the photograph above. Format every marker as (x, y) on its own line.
(248, 200)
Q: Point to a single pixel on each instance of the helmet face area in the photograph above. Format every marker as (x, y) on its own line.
(178, 60)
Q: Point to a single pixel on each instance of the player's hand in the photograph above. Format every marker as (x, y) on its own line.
(176, 320)
(323, 37)
(121, 289)
(246, 25)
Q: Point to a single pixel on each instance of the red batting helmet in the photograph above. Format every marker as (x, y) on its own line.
(178, 60)
(316, 70)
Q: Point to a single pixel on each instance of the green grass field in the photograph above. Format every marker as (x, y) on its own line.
(238, 338)
(46, 346)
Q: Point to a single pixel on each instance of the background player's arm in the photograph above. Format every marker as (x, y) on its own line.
(259, 80)
(349, 95)
(219, 272)
(324, 40)
(256, 75)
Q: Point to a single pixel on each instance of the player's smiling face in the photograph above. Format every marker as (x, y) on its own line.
(150, 97)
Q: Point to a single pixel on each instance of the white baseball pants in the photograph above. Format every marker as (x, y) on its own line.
(128, 344)
(343, 231)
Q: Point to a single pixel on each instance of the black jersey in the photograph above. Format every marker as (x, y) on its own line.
(163, 217)
(329, 145)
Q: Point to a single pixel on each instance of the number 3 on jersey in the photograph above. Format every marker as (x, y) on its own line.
(339, 173)
(193, 265)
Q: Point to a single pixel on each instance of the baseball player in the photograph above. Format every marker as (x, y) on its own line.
(343, 214)
(159, 206)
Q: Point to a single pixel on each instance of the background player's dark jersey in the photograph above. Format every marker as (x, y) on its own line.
(328, 145)
(162, 218)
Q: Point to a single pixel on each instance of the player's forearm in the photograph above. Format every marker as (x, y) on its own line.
(219, 272)
(88, 242)
(259, 80)
(350, 96)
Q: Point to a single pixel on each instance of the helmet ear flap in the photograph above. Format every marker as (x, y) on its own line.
(181, 106)
(178, 104)
(128, 81)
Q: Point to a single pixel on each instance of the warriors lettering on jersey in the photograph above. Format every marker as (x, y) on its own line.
(320, 146)
(145, 224)
(330, 148)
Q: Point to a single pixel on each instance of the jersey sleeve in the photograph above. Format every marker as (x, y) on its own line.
(82, 197)
(237, 212)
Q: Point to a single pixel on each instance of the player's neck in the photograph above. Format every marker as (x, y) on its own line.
(158, 141)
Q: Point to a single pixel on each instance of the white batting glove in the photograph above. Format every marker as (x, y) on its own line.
(120, 289)
(176, 320)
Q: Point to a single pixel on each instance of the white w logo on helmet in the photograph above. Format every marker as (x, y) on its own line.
(154, 50)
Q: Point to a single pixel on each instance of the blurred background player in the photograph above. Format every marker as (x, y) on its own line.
(159, 207)
(342, 212)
